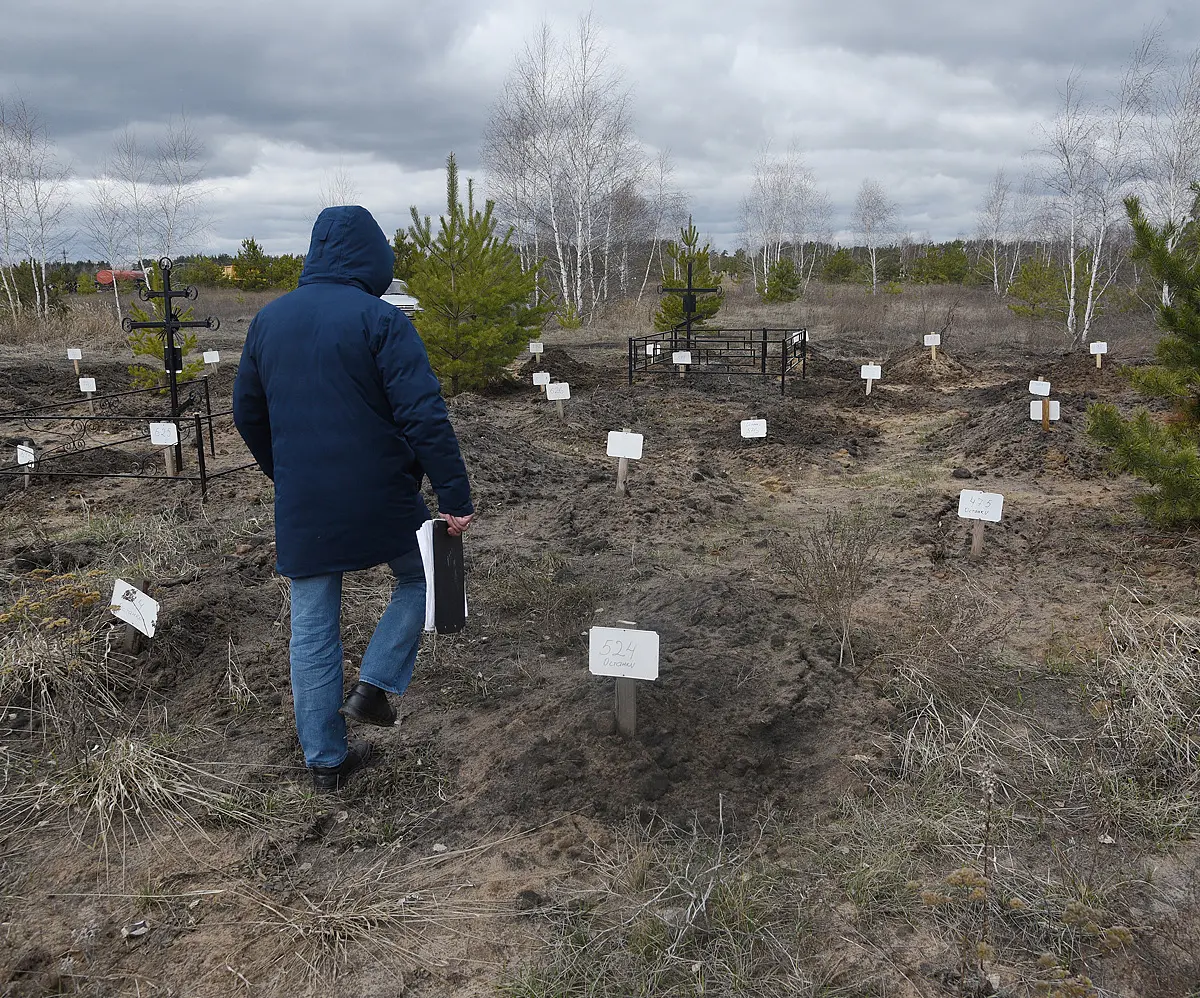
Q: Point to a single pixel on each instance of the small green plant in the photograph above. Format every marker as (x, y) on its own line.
(893, 288)
(569, 317)
(85, 284)
(783, 281)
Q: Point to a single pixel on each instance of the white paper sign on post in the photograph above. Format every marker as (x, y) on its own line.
(87, 385)
(26, 455)
(625, 444)
(1038, 387)
(541, 378)
(1099, 347)
(164, 434)
(558, 391)
(536, 346)
(623, 652)
(134, 607)
(653, 349)
(681, 357)
(973, 505)
(74, 353)
(933, 339)
(754, 429)
(1035, 410)
(212, 356)
(871, 372)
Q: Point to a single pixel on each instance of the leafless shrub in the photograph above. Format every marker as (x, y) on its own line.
(831, 566)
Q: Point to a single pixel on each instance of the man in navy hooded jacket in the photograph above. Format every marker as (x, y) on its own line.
(338, 404)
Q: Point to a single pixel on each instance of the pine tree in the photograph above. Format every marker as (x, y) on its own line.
(252, 267)
(405, 252)
(688, 250)
(1164, 453)
(478, 302)
(783, 281)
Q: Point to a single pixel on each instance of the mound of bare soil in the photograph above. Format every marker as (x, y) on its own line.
(997, 435)
(564, 367)
(916, 367)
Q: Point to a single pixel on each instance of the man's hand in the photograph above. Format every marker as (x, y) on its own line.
(458, 524)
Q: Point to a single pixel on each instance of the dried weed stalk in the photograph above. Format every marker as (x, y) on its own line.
(831, 566)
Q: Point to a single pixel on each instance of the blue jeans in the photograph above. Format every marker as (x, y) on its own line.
(316, 652)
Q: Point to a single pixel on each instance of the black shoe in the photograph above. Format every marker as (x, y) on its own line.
(368, 704)
(335, 777)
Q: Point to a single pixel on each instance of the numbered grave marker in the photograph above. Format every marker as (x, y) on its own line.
(681, 359)
(541, 379)
(134, 607)
(558, 392)
(537, 348)
(26, 458)
(164, 434)
(1039, 387)
(87, 385)
(1099, 349)
(1036, 406)
(933, 341)
(212, 357)
(982, 507)
(75, 355)
(626, 447)
(870, 373)
(754, 429)
(653, 349)
(629, 655)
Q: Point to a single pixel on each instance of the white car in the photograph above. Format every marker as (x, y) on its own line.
(397, 294)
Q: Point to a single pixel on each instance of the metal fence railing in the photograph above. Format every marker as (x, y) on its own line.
(764, 353)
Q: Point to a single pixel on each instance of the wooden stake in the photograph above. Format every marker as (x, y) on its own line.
(133, 639)
(76, 363)
(933, 353)
(1099, 359)
(559, 406)
(627, 706)
(977, 539)
(169, 455)
(868, 386)
(622, 469)
(1046, 415)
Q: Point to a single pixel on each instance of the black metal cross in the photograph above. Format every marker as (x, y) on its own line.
(169, 326)
(688, 294)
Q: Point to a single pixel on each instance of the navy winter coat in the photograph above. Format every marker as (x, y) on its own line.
(338, 404)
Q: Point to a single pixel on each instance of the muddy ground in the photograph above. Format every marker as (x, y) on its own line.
(506, 778)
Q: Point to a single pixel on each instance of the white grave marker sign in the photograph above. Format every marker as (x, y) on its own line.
(134, 607)
(754, 429)
(212, 356)
(1035, 410)
(558, 391)
(87, 385)
(933, 339)
(625, 444)
(623, 652)
(681, 357)
(1099, 348)
(74, 353)
(26, 455)
(870, 372)
(653, 349)
(974, 505)
(541, 378)
(536, 346)
(1038, 387)
(164, 434)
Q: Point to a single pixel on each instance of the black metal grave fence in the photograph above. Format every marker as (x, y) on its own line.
(764, 353)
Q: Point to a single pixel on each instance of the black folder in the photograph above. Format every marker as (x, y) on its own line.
(449, 581)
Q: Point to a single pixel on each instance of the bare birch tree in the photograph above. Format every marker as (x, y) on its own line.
(1171, 132)
(561, 153)
(995, 213)
(873, 212)
(666, 207)
(179, 190)
(127, 177)
(337, 188)
(108, 222)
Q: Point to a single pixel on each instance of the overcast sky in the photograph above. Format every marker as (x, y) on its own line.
(928, 97)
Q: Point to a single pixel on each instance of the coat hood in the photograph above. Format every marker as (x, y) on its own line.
(349, 247)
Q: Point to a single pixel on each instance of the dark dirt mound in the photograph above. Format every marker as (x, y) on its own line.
(999, 436)
(563, 367)
(28, 385)
(916, 367)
